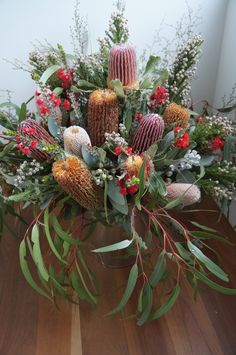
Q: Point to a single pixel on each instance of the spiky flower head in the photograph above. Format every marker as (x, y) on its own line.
(76, 180)
(150, 131)
(74, 137)
(103, 115)
(190, 193)
(123, 66)
(176, 115)
(28, 132)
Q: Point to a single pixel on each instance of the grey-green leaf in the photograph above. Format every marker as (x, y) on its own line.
(116, 246)
(158, 270)
(168, 305)
(209, 264)
(133, 276)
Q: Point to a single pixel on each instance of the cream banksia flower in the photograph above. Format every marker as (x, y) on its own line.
(149, 132)
(103, 115)
(74, 137)
(177, 115)
(76, 180)
(191, 193)
(123, 65)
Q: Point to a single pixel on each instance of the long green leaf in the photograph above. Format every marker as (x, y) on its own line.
(48, 73)
(151, 64)
(61, 233)
(158, 270)
(37, 253)
(133, 276)
(148, 297)
(23, 112)
(212, 284)
(209, 264)
(116, 246)
(118, 88)
(168, 305)
(26, 271)
(49, 238)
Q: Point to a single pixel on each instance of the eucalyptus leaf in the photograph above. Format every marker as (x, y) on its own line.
(209, 264)
(26, 271)
(168, 305)
(151, 64)
(133, 276)
(23, 112)
(38, 259)
(148, 297)
(116, 246)
(52, 126)
(158, 270)
(118, 88)
(48, 73)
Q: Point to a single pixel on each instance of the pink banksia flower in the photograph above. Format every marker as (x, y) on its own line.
(149, 131)
(123, 65)
(190, 193)
(30, 136)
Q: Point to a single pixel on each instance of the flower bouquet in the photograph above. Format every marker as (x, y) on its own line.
(113, 145)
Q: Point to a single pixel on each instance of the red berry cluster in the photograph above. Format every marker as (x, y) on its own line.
(119, 150)
(125, 187)
(159, 97)
(25, 148)
(57, 102)
(183, 141)
(217, 143)
(66, 77)
(139, 117)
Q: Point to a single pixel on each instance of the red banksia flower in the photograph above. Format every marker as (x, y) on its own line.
(123, 66)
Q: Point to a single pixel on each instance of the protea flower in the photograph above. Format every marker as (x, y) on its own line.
(103, 115)
(191, 193)
(177, 115)
(150, 131)
(123, 66)
(31, 138)
(76, 180)
(74, 137)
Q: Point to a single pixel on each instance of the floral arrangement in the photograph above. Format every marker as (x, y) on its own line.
(112, 145)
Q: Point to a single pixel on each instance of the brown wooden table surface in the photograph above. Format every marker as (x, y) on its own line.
(30, 325)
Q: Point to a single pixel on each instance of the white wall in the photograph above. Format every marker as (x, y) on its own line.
(22, 22)
(226, 77)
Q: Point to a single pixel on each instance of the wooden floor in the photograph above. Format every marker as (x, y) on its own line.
(29, 325)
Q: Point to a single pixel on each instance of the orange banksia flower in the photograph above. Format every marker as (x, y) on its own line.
(75, 179)
(177, 115)
(103, 115)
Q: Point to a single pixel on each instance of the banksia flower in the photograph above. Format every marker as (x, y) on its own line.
(76, 180)
(191, 193)
(103, 115)
(31, 137)
(149, 132)
(74, 137)
(123, 66)
(177, 115)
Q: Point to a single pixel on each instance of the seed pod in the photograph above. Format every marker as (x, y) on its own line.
(177, 115)
(75, 179)
(150, 131)
(191, 193)
(123, 66)
(103, 115)
(29, 130)
(74, 137)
